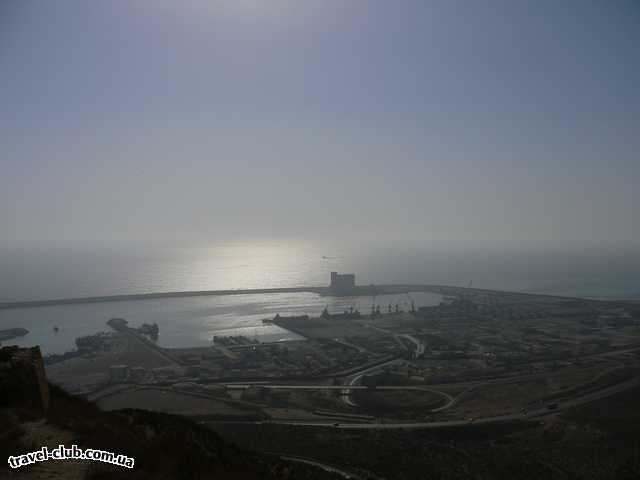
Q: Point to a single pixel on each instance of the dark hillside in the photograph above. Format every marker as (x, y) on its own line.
(163, 446)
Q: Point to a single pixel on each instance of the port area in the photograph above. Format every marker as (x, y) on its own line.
(480, 356)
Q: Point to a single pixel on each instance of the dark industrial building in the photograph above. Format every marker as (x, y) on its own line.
(342, 283)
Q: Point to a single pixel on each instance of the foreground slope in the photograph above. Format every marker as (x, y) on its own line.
(163, 446)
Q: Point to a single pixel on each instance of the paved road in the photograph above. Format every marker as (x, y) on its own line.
(346, 396)
(239, 386)
(420, 346)
(355, 378)
(324, 466)
(540, 412)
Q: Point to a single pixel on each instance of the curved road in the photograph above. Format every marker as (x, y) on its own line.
(586, 398)
(315, 463)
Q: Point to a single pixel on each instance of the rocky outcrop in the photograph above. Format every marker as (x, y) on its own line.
(23, 382)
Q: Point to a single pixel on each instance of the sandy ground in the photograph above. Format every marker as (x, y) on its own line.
(163, 400)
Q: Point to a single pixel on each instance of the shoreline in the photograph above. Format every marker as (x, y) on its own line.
(362, 290)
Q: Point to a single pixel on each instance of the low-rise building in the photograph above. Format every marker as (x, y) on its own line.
(118, 373)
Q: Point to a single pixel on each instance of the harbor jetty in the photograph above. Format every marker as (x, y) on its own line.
(325, 291)
(10, 333)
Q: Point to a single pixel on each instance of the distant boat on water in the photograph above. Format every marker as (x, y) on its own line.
(324, 257)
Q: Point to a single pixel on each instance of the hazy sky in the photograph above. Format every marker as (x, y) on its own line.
(183, 121)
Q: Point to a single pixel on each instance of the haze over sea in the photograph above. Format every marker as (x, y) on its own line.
(37, 274)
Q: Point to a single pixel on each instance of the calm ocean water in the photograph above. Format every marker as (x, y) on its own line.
(58, 273)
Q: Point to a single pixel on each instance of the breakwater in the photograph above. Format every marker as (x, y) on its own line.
(150, 296)
(358, 291)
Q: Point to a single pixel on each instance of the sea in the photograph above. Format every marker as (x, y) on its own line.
(59, 272)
